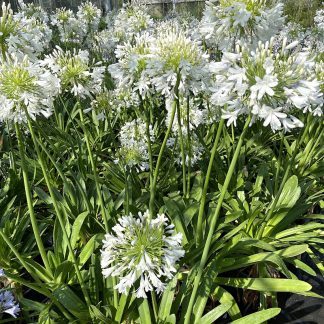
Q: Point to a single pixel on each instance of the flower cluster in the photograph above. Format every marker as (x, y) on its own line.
(159, 62)
(26, 87)
(76, 72)
(226, 22)
(134, 144)
(142, 249)
(271, 87)
(129, 22)
(23, 33)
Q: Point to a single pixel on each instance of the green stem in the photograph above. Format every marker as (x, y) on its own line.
(58, 214)
(94, 170)
(199, 232)
(189, 147)
(149, 148)
(159, 160)
(183, 155)
(279, 164)
(11, 154)
(213, 223)
(33, 220)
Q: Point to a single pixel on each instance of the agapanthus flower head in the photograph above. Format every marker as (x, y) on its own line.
(319, 20)
(8, 304)
(32, 39)
(26, 86)
(134, 144)
(90, 15)
(176, 55)
(131, 68)
(130, 21)
(8, 25)
(142, 252)
(227, 22)
(77, 74)
(271, 86)
(71, 30)
(32, 10)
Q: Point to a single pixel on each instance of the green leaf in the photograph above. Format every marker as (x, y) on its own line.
(258, 317)
(214, 314)
(71, 302)
(266, 284)
(144, 312)
(75, 235)
(167, 299)
(89, 248)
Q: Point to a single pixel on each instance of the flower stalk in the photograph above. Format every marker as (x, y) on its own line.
(32, 215)
(213, 223)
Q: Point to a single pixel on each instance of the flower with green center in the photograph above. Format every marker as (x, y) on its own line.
(8, 26)
(227, 22)
(26, 86)
(134, 145)
(76, 72)
(141, 253)
(90, 15)
(272, 87)
(175, 55)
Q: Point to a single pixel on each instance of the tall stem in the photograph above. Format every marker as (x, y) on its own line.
(149, 148)
(33, 220)
(58, 214)
(95, 173)
(183, 155)
(159, 160)
(213, 223)
(189, 147)
(199, 233)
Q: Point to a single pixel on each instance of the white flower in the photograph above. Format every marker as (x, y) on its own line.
(272, 117)
(134, 144)
(226, 23)
(26, 86)
(8, 304)
(144, 250)
(268, 85)
(77, 74)
(263, 86)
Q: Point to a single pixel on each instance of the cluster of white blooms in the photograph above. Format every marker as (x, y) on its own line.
(103, 44)
(142, 249)
(308, 38)
(271, 87)
(69, 27)
(32, 10)
(187, 109)
(74, 28)
(7, 301)
(22, 34)
(130, 21)
(319, 20)
(192, 147)
(133, 59)
(174, 56)
(89, 15)
(134, 144)
(227, 22)
(26, 86)
(77, 74)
